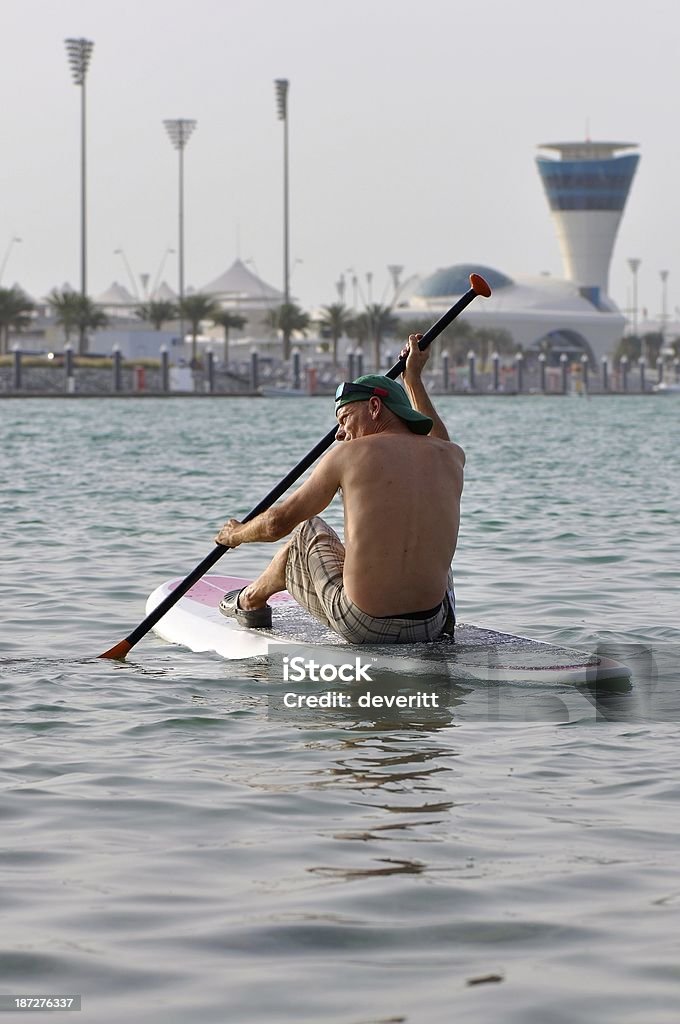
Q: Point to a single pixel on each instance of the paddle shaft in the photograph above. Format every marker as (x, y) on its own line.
(122, 648)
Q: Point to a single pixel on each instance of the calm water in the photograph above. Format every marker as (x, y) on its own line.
(176, 855)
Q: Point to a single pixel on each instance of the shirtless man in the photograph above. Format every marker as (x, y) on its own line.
(401, 480)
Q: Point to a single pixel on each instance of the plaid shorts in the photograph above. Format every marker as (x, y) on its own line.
(314, 577)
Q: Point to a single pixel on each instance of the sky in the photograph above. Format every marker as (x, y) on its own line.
(413, 134)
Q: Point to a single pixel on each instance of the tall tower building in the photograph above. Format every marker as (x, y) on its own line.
(587, 188)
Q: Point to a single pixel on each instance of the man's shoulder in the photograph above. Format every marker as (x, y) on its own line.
(457, 451)
(377, 445)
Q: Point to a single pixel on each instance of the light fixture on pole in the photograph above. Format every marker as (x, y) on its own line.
(395, 273)
(634, 265)
(79, 52)
(180, 131)
(282, 112)
(159, 272)
(664, 303)
(121, 253)
(10, 245)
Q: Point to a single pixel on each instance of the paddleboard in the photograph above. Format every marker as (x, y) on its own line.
(477, 653)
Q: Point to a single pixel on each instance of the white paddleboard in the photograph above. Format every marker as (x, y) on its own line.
(477, 654)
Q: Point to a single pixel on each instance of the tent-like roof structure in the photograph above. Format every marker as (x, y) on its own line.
(116, 295)
(238, 283)
(18, 288)
(164, 293)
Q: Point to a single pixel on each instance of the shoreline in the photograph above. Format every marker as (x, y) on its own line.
(257, 394)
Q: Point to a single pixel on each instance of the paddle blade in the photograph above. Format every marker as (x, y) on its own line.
(479, 285)
(119, 652)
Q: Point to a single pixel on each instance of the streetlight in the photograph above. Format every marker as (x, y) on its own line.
(664, 298)
(157, 279)
(79, 52)
(121, 253)
(634, 265)
(281, 85)
(395, 273)
(8, 250)
(180, 131)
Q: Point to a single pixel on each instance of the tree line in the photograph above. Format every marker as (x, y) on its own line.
(77, 314)
(652, 343)
(374, 326)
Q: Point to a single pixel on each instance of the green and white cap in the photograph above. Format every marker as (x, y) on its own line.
(394, 397)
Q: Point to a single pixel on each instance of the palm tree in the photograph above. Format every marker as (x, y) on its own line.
(157, 312)
(64, 306)
(196, 308)
(73, 310)
(492, 339)
(15, 311)
(89, 317)
(653, 343)
(629, 346)
(228, 320)
(337, 320)
(376, 322)
(287, 318)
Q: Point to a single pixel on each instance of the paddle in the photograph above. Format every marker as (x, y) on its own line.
(478, 286)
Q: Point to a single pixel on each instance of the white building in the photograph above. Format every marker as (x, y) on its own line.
(587, 189)
(533, 310)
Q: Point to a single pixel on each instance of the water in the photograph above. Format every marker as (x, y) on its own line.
(174, 854)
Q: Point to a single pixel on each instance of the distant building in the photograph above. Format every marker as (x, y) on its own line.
(117, 301)
(242, 292)
(539, 313)
(587, 189)
(238, 288)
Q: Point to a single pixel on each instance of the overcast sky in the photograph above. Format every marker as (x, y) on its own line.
(413, 134)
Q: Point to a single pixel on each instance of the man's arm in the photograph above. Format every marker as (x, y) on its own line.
(412, 377)
(315, 494)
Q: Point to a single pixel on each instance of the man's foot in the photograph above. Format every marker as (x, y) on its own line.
(255, 618)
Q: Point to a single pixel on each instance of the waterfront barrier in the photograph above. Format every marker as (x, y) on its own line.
(68, 373)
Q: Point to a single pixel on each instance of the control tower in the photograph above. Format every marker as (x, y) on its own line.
(587, 188)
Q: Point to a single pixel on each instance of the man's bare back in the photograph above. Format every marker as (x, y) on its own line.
(401, 494)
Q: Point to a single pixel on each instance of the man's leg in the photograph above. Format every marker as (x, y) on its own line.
(271, 581)
(313, 557)
(314, 569)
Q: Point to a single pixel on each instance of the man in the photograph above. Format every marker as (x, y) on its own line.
(401, 480)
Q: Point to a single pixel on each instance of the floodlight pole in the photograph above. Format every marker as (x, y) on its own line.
(282, 111)
(664, 304)
(634, 265)
(180, 131)
(79, 52)
(10, 245)
(131, 276)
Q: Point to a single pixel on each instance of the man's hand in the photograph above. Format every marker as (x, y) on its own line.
(231, 534)
(412, 377)
(415, 359)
